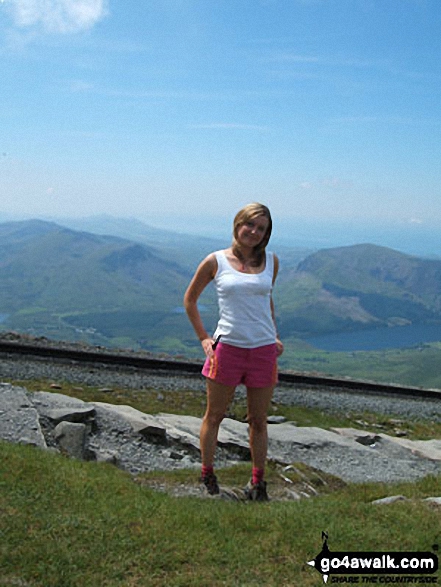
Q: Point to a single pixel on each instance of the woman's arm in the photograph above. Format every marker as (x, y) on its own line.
(204, 274)
(279, 343)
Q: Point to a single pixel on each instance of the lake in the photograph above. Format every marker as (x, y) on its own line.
(378, 338)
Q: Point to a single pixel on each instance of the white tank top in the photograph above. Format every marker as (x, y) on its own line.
(245, 318)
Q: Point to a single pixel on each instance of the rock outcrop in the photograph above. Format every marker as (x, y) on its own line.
(139, 442)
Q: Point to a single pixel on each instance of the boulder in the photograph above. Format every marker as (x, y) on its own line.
(433, 500)
(140, 422)
(390, 499)
(139, 442)
(19, 420)
(426, 449)
(61, 408)
(71, 438)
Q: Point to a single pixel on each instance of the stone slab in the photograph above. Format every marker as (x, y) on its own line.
(140, 422)
(19, 420)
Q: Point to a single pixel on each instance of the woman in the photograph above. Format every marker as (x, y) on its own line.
(245, 345)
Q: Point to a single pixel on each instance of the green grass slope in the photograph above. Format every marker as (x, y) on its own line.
(66, 523)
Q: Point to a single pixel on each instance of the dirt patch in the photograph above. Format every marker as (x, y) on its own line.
(285, 483)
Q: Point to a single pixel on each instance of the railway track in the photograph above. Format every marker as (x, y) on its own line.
(175, 366)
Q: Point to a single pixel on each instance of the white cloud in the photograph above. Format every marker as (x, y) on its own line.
(58, 16)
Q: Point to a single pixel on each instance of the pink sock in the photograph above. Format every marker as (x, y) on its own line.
(257, 475)
(207, 470)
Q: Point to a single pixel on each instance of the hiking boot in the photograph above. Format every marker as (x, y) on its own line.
(256, 491)
(210, 482)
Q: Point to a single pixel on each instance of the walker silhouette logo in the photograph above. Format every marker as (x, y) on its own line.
(389, 564)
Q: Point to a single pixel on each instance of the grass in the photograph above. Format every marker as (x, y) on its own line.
(67, 523)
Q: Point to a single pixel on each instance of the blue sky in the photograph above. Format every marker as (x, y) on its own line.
(322, 109)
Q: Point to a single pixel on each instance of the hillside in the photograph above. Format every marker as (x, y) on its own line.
(185, 249)
(74, 284)
(112, 291)
(355, 287)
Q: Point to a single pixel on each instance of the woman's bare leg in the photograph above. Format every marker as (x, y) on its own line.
(218, 399)
(259, 400)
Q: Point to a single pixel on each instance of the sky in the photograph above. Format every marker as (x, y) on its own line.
(326, 110)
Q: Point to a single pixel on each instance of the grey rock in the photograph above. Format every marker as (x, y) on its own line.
(176, 455)
(71, 437)
(426, 449)
(13, 398)
(140, 442)
(19, 420)
(292, 495)
(229, 494)
(140, 423)
(434, 500)
(368, 440)
(58, 408)
(107, 457)
(52, 400)
(389, 500)
(276, 419)
(68, 414)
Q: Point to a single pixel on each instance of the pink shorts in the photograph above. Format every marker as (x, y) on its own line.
(231, 365)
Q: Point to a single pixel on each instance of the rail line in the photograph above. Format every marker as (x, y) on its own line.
(188, 367)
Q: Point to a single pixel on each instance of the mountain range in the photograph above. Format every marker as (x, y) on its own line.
(361, 286)
(74, 284)
(126, 289)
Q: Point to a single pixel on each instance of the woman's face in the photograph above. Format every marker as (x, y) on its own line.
(252, 232)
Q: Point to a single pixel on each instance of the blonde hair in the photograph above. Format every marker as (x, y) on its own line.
(247, 213)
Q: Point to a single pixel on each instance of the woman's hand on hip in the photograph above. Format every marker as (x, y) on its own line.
(207, 345)
(279, 347)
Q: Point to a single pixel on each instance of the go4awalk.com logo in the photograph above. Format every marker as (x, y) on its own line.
(382, 568)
